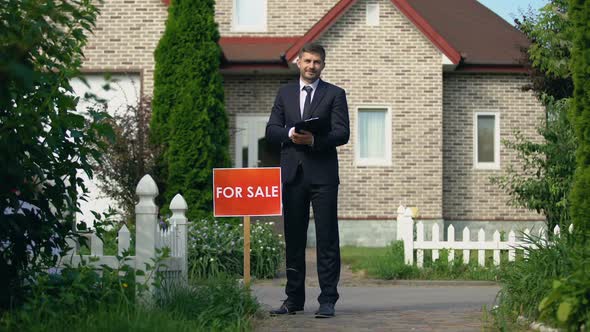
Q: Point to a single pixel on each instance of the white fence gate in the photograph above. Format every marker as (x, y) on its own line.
(405, 228)
(149, 237)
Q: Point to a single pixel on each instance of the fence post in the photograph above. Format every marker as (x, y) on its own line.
(451, 241)
(178, 207)
(466, 239)
(405, 232)
(146, 219)
(496, 238)
(96, 245)
(124, 240)
(435, 239)
(481, 253)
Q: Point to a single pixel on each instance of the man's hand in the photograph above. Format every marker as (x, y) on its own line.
(304, 138)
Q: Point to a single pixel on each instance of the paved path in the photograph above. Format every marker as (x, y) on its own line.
(370, 305)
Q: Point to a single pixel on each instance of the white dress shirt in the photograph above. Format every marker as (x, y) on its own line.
(302, 96)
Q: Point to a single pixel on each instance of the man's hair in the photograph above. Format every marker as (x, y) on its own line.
(313, 48)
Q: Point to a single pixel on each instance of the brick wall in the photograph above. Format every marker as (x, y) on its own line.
(392, 65)
(284, 18)
(468, 193)
(126, 35)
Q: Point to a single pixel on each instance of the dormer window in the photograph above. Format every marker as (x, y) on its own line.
(249, 16)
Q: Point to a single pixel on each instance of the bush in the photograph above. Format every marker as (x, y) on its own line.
(530, 280)
(84, 300)
(217, 248)
(544, 177)
(189, 119)
(579, 15)
(212, 305)
(128, 158)
(568, 303)
(44, 142)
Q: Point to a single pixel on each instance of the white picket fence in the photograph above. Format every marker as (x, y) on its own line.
(149, 237)
(405, 229)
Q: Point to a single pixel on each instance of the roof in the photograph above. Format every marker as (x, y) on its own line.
(255, 50)
(480, 35)
(468, 33)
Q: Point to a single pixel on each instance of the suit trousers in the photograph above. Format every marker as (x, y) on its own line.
(297, 196)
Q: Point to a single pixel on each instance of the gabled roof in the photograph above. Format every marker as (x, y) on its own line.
(480, 35)
(470, 35)
(340, 8)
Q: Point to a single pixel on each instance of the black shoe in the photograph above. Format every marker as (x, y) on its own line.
(287, 308)
(326, 310)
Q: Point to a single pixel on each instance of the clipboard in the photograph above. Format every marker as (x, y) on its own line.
(313, 125)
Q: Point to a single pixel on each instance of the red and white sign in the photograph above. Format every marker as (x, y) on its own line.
(247, 192)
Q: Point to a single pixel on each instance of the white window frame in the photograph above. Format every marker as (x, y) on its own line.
(249, 28)
(372, 21)
(386, 160)
(487, 165)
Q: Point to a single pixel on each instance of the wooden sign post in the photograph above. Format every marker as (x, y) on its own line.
(246, 192)
(246, 250)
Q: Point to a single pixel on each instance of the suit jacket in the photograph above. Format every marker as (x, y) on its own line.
(320, 162)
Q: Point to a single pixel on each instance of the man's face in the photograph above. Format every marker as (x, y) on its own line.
(310, 66)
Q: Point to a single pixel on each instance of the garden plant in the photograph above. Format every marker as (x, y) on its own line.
(216, 247)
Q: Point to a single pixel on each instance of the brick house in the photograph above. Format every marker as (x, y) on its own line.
(432, 87)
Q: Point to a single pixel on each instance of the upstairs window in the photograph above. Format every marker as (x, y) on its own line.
(486, 140)
(249, 16)
(372, 14)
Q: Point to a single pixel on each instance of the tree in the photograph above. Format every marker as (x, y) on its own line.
(580, 112)
(129, 157)
(548, 57)
(189, 119)
(43, 140)
(544, 178)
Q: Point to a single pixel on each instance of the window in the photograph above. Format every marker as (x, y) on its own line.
(486, 147)
(249, 15)
(252, 150)
(373, 14)
(373, 136)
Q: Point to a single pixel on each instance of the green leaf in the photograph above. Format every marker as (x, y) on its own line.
(544, 303)
(564, 310)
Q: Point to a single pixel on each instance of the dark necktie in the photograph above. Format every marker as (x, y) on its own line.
(307, 105)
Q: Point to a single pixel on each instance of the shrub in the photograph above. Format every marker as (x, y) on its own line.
(128, 158)
(217, 248)
(215, 304)
(80, 299)
(567, 304)
(579, 14)
(544, 177)
(44, 142)
(530, 280)
(189, 118)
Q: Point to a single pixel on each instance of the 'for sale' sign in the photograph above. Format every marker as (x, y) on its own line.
(247, 192)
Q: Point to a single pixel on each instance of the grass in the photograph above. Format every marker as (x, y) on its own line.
(530, 281)
(387, 263)
(208, 305)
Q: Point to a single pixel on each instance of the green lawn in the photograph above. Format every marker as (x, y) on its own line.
(387, 263)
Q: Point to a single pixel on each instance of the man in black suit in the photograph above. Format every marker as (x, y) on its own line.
(309, 171)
